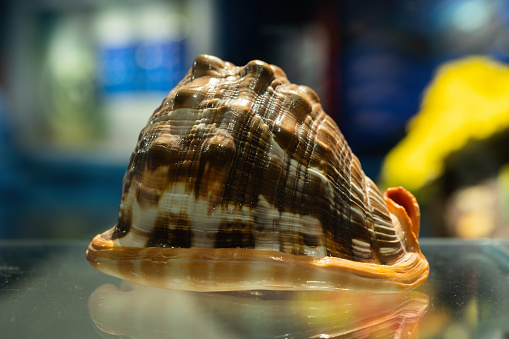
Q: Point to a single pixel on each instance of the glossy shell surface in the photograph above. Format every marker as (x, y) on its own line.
(241, 181)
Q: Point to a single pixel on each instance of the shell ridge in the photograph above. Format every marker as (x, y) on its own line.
(275, 102)
(369, 216)
(244, 149)
(363, 241)
(269, 99)
(349, 190)
(295, 202)
(242, 195)
(296, 153)
(281, 194)
(198, 159)
(310, 149)
(360, 235)
(341, 222)
(276, 204)
(385, 230)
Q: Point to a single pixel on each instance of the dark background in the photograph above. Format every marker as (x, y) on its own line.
(71, 71)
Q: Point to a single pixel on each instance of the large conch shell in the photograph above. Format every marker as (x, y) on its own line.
(241, 181)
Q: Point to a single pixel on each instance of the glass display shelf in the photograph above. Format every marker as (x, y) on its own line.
(48, 290)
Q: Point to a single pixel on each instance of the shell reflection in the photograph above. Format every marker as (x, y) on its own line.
(144, 312)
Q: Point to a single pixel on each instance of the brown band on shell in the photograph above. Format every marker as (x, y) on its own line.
(174, 232)
(124, 223)
(235, 235)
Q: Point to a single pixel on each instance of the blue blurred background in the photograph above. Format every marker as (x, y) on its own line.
(79, 79)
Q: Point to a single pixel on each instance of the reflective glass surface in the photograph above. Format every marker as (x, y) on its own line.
(48, 290)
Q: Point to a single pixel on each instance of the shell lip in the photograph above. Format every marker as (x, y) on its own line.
(405, 199)
(226, 269)
(405, 214)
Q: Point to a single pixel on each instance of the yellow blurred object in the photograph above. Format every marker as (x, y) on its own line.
(468, 99)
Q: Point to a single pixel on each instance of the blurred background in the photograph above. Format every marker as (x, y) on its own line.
(420, 89)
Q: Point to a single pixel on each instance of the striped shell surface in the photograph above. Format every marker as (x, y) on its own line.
(241, 181)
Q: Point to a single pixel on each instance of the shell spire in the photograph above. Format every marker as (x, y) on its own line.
(240, 180)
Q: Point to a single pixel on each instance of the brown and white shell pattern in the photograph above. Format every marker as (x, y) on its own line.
(240, 180)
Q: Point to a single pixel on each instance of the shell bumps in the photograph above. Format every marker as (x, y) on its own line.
(241, 181)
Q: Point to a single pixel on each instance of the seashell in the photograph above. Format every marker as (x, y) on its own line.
(241, 181)
(133, 311)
